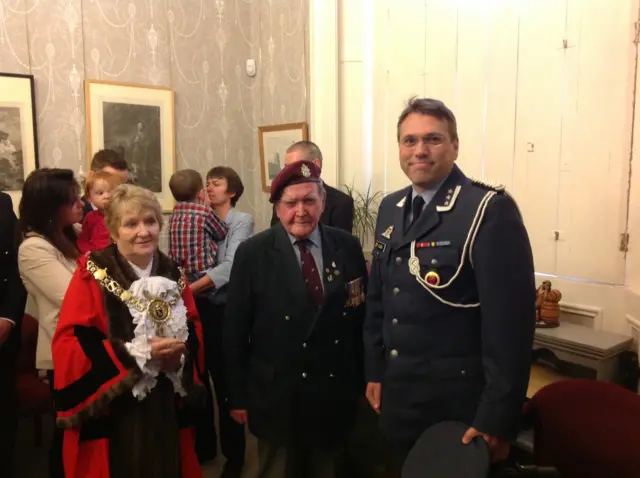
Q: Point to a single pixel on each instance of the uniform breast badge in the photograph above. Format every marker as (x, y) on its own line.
(432, 278)
(387, 233)
(431, 281)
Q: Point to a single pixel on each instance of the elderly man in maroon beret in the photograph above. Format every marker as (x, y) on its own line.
(293, 332)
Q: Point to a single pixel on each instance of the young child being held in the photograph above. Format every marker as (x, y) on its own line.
(194, 228)
(94, 234)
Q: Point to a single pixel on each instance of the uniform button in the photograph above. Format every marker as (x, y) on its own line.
(434, 261)
(398, 260)
(394, 321)
(330, 375)
(304, 345)
(6, 253)
(463, 373)
(304, 374)
(286, 317)
(337, 342)
(394, 353)
(396, 291)
(344, 314)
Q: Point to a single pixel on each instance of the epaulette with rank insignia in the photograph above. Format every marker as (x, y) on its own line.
(483, 183)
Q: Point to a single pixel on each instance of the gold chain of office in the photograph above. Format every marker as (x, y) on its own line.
(159, 309)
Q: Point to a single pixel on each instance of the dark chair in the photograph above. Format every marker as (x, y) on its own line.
(586, 428)
(34, 396)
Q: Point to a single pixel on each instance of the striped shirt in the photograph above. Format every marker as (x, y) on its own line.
(194, 230)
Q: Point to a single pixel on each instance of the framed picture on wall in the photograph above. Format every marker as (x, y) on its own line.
(138, 122)
(273, 142)
(18, 133)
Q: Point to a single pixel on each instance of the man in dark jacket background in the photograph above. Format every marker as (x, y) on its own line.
(338, 211)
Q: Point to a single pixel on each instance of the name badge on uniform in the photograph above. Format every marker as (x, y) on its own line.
(380, 246)
(355, 290)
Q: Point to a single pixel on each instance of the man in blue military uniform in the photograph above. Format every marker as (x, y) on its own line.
(451, 300)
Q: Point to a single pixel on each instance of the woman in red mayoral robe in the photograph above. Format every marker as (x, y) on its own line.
(125, 354)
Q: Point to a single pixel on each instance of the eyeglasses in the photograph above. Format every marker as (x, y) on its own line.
(429, 140)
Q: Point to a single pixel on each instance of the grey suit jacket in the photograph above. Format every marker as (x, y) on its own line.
(240, 228)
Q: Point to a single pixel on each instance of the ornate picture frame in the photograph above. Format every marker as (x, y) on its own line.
(273, 142)
(137, 121)
(18, 133)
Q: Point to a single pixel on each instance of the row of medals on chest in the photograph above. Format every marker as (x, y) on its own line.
(431, 277)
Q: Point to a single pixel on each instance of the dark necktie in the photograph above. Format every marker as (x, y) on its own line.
(416, 208)
(310, 272)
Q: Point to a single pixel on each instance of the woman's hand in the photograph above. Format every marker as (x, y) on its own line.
(167, 352)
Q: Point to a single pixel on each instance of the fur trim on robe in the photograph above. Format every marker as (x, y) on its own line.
(91, 363)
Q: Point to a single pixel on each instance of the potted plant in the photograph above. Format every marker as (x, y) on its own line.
(365, 213)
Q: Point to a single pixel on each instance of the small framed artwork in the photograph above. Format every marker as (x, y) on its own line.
(18, 133)
(274, 141)
(138, 122)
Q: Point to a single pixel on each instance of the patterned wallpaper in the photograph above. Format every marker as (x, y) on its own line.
(196, 47)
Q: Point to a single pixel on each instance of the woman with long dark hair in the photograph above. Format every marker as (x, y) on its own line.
(49, 208)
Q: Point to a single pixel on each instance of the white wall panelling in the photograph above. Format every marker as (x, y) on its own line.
(323, 83)
(543, 93)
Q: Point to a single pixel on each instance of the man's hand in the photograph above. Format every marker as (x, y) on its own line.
(498, 447)
(240, 416)
(374, 392)
(6, 328)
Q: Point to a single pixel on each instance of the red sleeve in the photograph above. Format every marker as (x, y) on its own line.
(101, 237)
(215, 227)
(84, 238)
(90, 370)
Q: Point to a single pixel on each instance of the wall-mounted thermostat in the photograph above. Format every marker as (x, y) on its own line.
(251, 67)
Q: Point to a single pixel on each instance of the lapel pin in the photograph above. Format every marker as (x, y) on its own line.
(336, 272)
(333, 264)
(387, 233)
(432, 278)
(329, 278)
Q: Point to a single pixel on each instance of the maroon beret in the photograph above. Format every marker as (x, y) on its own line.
(295, 173)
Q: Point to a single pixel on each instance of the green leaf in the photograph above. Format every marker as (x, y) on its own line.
(365, 211)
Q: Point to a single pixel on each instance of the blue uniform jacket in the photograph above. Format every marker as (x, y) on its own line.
(451, 311)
